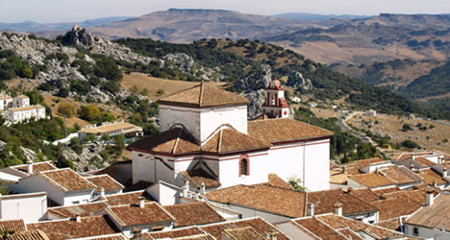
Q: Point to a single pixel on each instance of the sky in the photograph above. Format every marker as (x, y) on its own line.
(79, 10)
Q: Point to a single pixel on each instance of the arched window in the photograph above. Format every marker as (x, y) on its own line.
(244, 165)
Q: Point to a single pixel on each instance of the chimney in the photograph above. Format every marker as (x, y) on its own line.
(78, 217)
(411, 167)
(202, 189)
(349, 190)
(444, 172)
(272, 235)
(30, 166)
(430, 197)
(102, 192)
(338, 209)
(185, 188)
(141, 202)
(344, 169)
(310, 209)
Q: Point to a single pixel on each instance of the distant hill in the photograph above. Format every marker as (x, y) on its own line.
(316, 17)
(187, 25)
(30, 26)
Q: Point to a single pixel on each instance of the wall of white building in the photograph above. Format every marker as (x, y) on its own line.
(150, 168)
(201, 122)
(29, 207)
(426, 233)
(37, 184)
(294, 232)
(164, 193)
(78, 197)
(23, 115)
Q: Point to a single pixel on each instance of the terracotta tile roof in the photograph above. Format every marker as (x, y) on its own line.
(418, 196)
(198, 176)
(229, 140)
(365, 162)
(22, 96)
(276, 181)
(203, 96)
(127, 198)
(70, 228)
(400, 174)
(372, 180)
(281, 201)
(66, 180)
(407, 155)
(395, 207)
(29, 235)
(365, 194)
(176, 141)
(320, 229)
(193, 214)
(283, 129)
(182, 232)
(116, 236)
(392, 224)
(325, 201)
(82, 209)
(350, 234)
(204, 236)
(434, 216)
(132, 215)
(111, 128)
(386, 190)
(257, 223)
(338, 222)
(430, 177)
(37, 167)
(12, 225)
(105, 181)
(243, 233)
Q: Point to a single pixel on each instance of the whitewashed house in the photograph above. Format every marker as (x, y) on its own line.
(205, 135)
(5, 102)
(63, 186)
(21, 101)
(17, 115)
(31, 207)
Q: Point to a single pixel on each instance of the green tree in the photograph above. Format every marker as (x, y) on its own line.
(296, 184)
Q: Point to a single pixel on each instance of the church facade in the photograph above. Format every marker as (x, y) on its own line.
(206, 139)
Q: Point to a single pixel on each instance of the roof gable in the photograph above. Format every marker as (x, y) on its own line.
(132, 215)
(203, 96)
(66, 180)
(193, 214)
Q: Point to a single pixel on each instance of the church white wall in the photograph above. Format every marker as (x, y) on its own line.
(317, 165)
(212, 118)
(148, 167)
(188, 117)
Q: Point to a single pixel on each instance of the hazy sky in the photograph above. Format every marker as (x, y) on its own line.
(77, 10)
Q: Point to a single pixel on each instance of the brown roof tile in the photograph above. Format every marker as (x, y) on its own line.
(197, 213)
(400, 174)
(338, 222)
(29, 235)
(325, 202)
(199, 176)
(386, 190)
(132, 215)
(66, 180)
(12, 225)
(395, 207)
(276, 181)
(372, 180)
(283, 129)
(392, 224)
(105, 181)
(350, 234)
(203, 95)
(434, 216)
(229, 140)
(127, 198)
(37, 167)
(182, 232)
(64, 229)
(204, 236)
(82, 209)
(258, 224)
(365, 194)
(116, 236)
(320, 229)
(430, 177)
(176, 141)
(243, 233)
(364, 162)
(281, 201)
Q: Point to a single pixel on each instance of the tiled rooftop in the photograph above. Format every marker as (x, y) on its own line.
(105, 181)
(430, 177)
(127, 198)
(281, 201)
(66, 180)
(365, 194)
(320, 229)
(199, 176)
(229, 140)
(197, 213)
(29, 235)
(395, 207)
(113, 127)
(82, 209)
(116, 236)
(37, 167)
(283, 129)
(276, 181)
(182, 232)
(12, 225)
(203, 95)
(132, 215)
(434, 216)
(243, 233)
(64, 229)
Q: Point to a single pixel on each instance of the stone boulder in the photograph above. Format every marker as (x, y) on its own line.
(28, 154)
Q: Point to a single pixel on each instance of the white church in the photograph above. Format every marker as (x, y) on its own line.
(206, 139)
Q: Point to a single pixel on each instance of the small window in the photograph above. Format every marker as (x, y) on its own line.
(76, 202)
(416, 231)
(244, 165)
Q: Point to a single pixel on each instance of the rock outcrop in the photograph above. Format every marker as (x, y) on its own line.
(89, 159)
(28, 154)
(300, 81)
